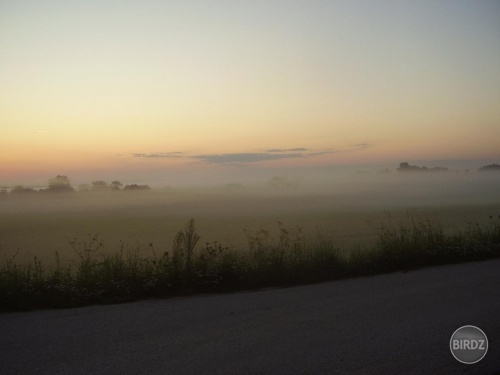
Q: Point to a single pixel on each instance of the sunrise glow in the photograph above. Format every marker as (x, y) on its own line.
(120, 88)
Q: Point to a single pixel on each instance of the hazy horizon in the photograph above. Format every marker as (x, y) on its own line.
(304, 177)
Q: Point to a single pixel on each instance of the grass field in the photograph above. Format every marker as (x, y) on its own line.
(41, 225)
(64, 250)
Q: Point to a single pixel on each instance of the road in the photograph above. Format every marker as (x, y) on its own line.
(394, 323)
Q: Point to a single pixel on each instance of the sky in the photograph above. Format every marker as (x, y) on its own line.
(136, 89)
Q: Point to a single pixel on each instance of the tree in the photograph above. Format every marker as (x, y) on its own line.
(99, 185)
(489, 168)
(136, 187)
(21, 189)
(405, 167)
(60, 184)
(116, 185)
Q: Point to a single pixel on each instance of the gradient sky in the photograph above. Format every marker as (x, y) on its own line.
(120, 88)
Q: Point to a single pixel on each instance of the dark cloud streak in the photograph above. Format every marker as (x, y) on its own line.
(245, 157)
(175, 154)
(319, 153)
(298, 149)
(251, 157)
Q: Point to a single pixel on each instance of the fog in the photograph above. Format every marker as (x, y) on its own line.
(345, 190)
(347, 208)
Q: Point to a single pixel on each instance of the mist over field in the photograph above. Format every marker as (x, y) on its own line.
(161, 149)
(348, 208)
(241, 113)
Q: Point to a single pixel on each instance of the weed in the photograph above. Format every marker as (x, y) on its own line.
(285, 257)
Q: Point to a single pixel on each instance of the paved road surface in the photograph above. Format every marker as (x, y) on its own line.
(397, 323)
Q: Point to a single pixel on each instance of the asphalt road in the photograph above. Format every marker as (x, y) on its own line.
(396, 323)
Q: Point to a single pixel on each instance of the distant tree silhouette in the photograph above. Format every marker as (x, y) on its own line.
(60, 184)
(136, 187)
(116, 185)
(405, 167)
(21, 189)
(489, 168)
(99, 185)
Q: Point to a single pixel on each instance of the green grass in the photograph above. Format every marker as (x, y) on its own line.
(282, 258)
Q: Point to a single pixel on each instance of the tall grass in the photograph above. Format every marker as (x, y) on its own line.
(422, 242)
(281, 258)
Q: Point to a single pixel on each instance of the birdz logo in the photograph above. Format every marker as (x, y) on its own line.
(468, 344)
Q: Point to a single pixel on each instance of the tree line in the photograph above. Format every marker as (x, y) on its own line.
(62, 184)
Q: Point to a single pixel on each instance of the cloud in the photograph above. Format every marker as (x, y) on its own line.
(251, 157)
(298, 149)
(319, 153)
(175, 154)
(245, 157)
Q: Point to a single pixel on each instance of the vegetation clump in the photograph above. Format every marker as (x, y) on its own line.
(60, 184)
(20, 189)
(405, 167)
(136, 187)
(490, 168)
(281, 259)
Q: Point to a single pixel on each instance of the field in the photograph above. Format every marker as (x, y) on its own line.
(71, 249)
(348, 213)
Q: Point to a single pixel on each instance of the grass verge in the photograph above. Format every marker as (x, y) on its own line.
(284, 259)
